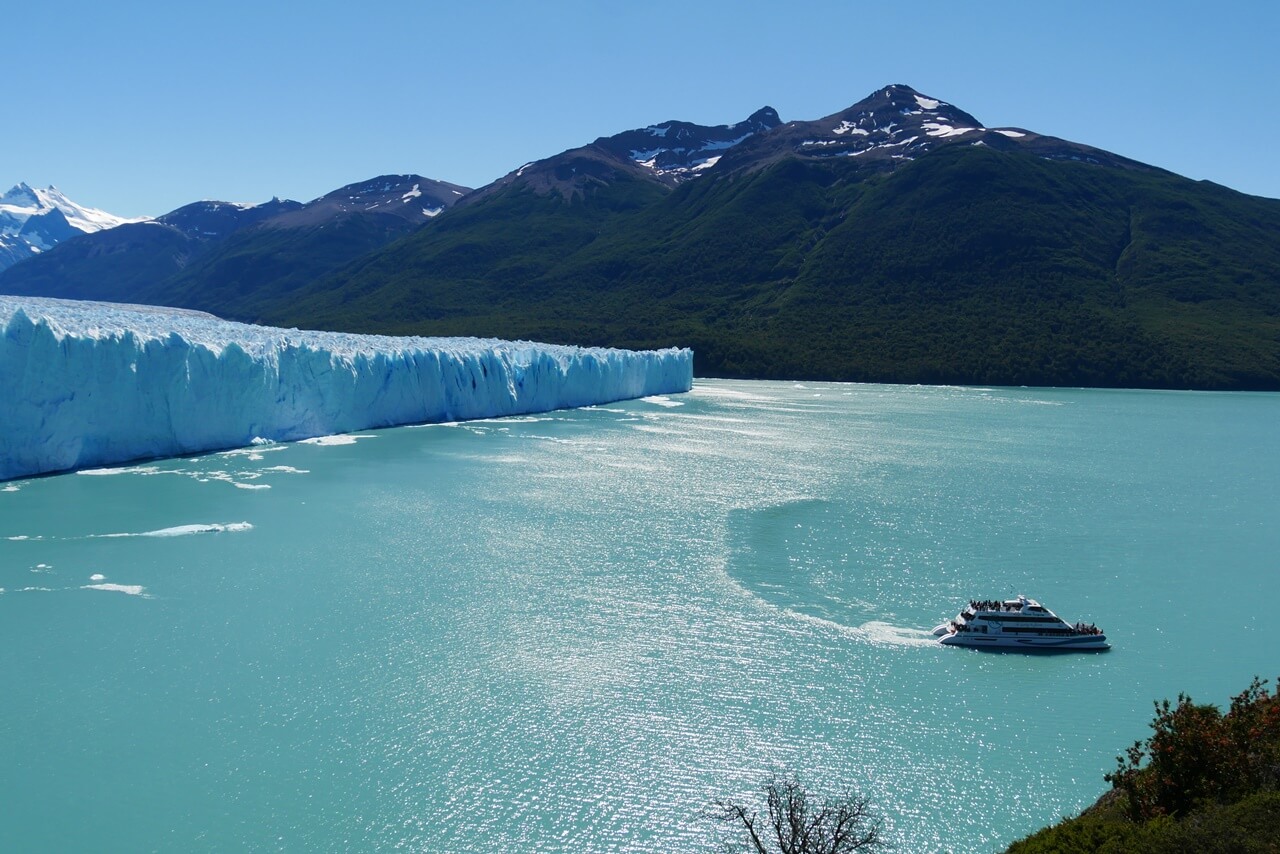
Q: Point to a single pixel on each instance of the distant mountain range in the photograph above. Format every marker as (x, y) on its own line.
(224, 253)
(898, 240)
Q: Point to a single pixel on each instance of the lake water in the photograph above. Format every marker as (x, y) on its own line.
(573, 632)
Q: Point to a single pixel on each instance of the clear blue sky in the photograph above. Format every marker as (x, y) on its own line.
(138, 108)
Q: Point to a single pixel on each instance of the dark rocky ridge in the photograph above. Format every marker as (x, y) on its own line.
(208, 220)
(895, 125)
(408, 197)
(668, 153)
(678, 150)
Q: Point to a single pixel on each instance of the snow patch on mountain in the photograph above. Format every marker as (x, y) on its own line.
(850, 127)
(937, 129)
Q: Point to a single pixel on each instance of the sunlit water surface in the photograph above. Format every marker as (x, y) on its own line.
(573, 632)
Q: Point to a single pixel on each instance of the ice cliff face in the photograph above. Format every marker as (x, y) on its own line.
(89, 384)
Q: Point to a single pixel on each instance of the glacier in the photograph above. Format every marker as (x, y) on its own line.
(86, 384)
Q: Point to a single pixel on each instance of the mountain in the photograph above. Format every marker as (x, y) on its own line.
(207, 253)
(898, 240)
(33, 221)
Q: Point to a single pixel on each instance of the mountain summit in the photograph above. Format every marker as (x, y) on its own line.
(896, 125)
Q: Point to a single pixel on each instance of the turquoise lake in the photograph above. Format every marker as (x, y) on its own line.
(574, 631)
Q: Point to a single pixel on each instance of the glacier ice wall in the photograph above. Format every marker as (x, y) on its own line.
(88, 384)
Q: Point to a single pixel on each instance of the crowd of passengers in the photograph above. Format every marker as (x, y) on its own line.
(992, 605)
(1080, 628)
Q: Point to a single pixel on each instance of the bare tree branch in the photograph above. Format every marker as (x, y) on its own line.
(795, 824)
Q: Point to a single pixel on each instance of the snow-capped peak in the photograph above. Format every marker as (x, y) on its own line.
(893, 124)
(34, 220)
(20, 194)
(24, 201)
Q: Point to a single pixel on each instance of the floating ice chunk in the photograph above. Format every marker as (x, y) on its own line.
(129, 589)
(345, 439)
(662, 400)
(185, 531)
(104, 472)
(254, 451)
(97, 576)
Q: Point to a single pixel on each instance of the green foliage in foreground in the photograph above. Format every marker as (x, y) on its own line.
(1211, 783)
(1249, 826)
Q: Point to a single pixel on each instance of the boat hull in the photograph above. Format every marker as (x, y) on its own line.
(1086, 643)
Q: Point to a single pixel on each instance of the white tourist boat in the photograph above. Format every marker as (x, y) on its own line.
(1020, 623)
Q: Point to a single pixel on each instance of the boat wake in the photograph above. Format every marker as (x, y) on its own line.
(876, 632)
(890, 635)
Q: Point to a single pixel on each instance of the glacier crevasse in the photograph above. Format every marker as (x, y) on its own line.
(89, 384)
